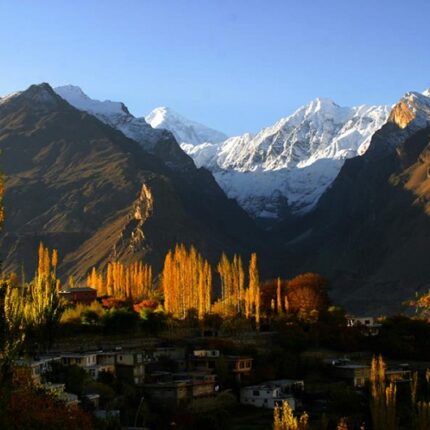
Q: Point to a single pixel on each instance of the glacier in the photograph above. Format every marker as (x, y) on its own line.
(291, 163)
(283, 169)
(184, 130)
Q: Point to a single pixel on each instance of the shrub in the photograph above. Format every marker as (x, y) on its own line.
(152, 322)
(145, 304)
(118, 320)
(80, 313)
(113, 303)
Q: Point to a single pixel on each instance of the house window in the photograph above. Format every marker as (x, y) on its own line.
(256, 393)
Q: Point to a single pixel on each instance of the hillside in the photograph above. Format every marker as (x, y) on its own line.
(371, 229)
(83, 187)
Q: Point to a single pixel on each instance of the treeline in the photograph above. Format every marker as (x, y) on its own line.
(132, 282)
(187, 281)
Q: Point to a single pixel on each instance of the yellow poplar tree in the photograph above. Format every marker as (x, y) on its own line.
(186, 282)
(284, 419)
(383, 397)
(254, 289)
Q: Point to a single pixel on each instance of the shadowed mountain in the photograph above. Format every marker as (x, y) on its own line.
(371, 230)
(83, 187)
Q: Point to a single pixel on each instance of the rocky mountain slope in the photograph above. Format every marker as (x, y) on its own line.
(83, 187)
(285, 168)
(159, 142)
(281, 170)
(370, 231)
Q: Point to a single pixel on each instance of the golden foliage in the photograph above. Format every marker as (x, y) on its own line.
(307, 292)
(383, 397)
(232, 285)
(74, 313)
(186, 282)
(36, 305)
(253, 293)
(132, 282)
(284, 419)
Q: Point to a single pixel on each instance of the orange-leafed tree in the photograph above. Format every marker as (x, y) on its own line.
(232, 278)
(307, 292)
(132, 282)
(253, 292)
(31, 407)
(273, 295)
(186, 282)
(43, 306)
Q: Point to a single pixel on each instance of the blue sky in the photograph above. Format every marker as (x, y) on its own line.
(236, 65)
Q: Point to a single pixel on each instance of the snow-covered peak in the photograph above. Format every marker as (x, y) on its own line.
(185, 130)
(77, 98)
(291, 163)
(159, 115)
(412, 112)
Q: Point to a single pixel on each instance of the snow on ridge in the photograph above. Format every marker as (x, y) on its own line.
(286, 165)
(77, 98)
(114, 114)
(291, 163)
(185, 130)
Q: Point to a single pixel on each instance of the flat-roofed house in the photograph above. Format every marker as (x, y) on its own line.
(272, 393)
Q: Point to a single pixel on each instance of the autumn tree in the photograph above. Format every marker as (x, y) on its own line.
(232, 284)
(43, 307)
(186, 282)
(273, 296)
(382, 397)
(284, 419)
(12, 326)
(33, 308)
(420, 409)
(132, 282)
(31, 407)
(253, 296)
(421, 303)
(307, 292)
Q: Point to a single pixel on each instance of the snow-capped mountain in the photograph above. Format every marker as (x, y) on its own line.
(412, 111)
(284, 168)
(114, 114)
(185, 130)
(294, 160)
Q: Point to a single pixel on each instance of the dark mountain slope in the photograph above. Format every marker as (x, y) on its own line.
(371, 230)
(81, 186)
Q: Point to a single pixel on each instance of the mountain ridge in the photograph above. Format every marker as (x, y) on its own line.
(281, 170)
(83, 187)
(374, 248)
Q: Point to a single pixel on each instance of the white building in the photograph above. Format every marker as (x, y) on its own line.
(36, 368)
(86, 360)
(272, 393)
